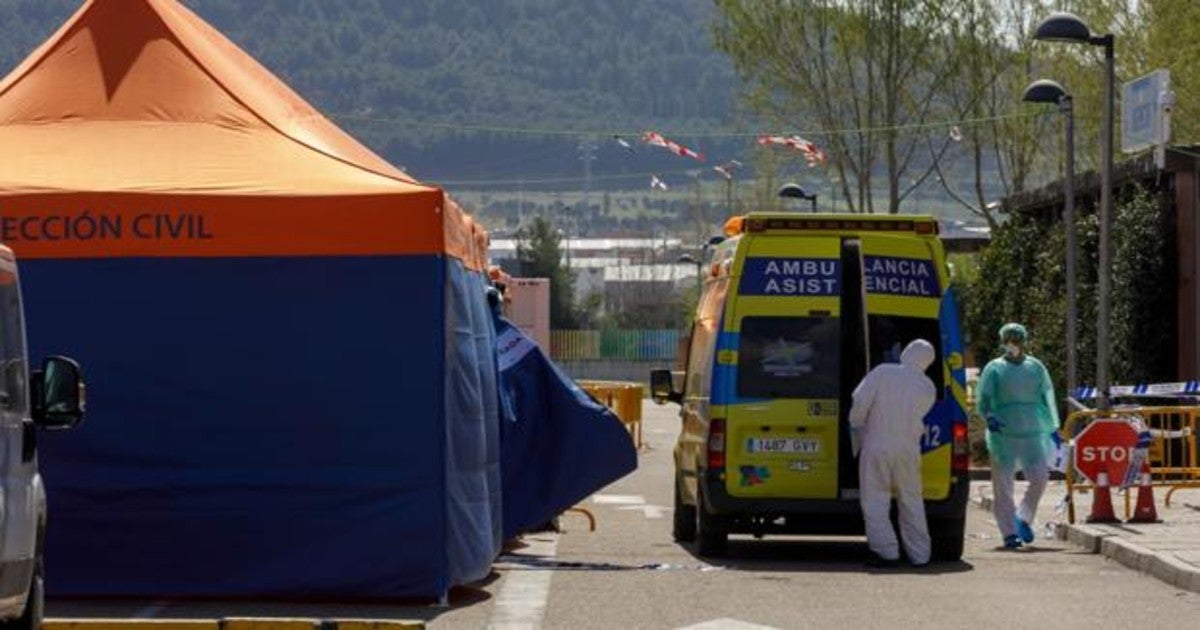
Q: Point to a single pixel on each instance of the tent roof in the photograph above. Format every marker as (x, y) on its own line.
(171, 105)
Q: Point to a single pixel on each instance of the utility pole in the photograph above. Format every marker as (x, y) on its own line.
(520, 203)
(587, 153)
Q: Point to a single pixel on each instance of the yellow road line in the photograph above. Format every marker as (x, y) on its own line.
(367, 624)
(269, 623)
(233, 623)
(126, 624)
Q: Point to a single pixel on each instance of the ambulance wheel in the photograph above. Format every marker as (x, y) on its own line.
(683, 528)
(947, 539)
(711, 539)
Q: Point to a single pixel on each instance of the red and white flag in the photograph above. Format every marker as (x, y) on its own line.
(811, 152)
(656, 139)
(655, 182)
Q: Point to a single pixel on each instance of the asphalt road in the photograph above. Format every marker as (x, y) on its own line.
(629, 574)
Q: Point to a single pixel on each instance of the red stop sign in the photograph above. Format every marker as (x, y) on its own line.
(1105, 446)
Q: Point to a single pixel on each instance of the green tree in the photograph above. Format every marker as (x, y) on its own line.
(875, 67)
(995, 53)
(1021, 278)
(1169, 37)
(539, 250)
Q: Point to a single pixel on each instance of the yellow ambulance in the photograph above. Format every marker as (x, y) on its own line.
(795, 310)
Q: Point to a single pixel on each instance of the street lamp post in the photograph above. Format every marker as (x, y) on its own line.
(1067, 27)
(688, 258)
(795, 191)
(728, 170)
(1045, 91)
(702, 258)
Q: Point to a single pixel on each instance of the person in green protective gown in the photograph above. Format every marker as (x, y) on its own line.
(1016, 397)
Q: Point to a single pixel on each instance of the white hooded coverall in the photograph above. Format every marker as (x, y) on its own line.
(888, 412)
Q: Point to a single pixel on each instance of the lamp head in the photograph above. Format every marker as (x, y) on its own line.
(1044, 91)
(793, 190)
(1062, 26)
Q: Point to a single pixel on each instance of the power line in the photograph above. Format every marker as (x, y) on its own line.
(588, 179)
(542, 131)
(527, 181)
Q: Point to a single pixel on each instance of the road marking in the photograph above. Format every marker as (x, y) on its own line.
(521, 599)
(649, 511)
(619, 499)
(727, 624)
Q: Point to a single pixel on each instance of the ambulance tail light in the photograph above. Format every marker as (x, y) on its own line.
(961, 455)
(716, 443)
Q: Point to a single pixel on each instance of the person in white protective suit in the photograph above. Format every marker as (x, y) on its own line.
(887, 420)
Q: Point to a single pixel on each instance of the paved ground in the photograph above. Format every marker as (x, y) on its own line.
(629, 574)
(1168, 550)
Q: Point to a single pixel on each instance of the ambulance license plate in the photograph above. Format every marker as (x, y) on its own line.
(791, 446)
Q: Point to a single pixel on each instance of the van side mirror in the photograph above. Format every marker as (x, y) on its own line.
(59, 394)
(662, 387)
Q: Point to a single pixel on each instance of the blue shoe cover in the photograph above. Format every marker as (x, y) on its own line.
(1012, 542)
(1024, 531)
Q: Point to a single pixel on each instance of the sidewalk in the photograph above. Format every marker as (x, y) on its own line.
(1169, 550)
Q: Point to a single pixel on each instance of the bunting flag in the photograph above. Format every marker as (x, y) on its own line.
(624, 144)
(655, 182)
(657, 140)
(812, 154)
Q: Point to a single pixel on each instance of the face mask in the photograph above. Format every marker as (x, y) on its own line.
(1011, 350)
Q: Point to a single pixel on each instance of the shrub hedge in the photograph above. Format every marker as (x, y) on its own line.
(1020, 277)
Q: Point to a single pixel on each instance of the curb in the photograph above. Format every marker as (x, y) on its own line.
(233, 623)
(1172, 571)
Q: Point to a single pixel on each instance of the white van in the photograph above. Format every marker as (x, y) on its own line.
(48, 398)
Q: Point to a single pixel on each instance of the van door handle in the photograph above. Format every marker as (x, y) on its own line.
(28, 441)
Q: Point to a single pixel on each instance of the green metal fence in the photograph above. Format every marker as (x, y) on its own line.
(614, 345)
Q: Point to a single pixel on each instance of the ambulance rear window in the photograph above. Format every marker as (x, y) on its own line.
(789, 357)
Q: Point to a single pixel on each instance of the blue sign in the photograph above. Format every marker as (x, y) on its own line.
(1142, 112)
(913, 277)
(794, 277)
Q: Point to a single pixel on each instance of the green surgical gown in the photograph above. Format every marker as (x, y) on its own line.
(1021, 396)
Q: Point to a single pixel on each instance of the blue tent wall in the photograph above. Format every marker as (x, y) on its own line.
(473, 477)
(260, 426)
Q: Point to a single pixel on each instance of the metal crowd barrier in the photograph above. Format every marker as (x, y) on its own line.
(1172, 456)
(625, 399)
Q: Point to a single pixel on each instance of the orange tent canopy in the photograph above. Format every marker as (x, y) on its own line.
(173, 141)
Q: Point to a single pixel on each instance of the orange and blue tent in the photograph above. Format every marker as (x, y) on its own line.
(292, 377)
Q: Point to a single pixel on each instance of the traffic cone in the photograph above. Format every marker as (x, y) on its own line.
(1102, 507)
(1145, 511)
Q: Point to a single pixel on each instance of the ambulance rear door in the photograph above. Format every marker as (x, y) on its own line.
(782, 435)
(904, 279)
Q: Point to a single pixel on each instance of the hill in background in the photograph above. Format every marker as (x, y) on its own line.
(450, 90)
